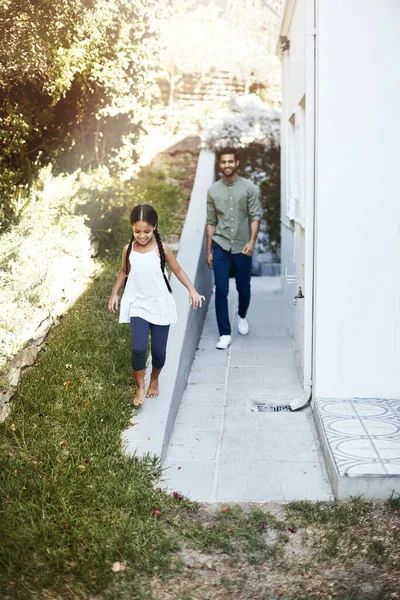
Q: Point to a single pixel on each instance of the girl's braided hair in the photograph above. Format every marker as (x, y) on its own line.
(146, 213)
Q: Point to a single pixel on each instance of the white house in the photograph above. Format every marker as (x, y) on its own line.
(340, 134)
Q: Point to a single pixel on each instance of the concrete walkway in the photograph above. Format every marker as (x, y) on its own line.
(222, 448)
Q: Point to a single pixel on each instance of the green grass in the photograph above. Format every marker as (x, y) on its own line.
(239, 534)
(347, 530)
(72, 504)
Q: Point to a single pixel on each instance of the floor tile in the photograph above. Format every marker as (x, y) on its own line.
(365, 468)
(381, 427)
(204, 393)
(335, 408)
(210, 374)
(305, 481)
(261, 356)
(271, 445)
(369, 409)
(194, 479)
(278, 377)
(258, 421)
(190, 444)
(207, 359)
(265, 333)
(204, 422)
(356, 448)
(348, 426)
(387, 449)
(191, 412)
(257, 481)
(392, 468)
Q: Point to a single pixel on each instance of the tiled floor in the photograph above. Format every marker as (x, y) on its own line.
(363, 435)
(221, 448)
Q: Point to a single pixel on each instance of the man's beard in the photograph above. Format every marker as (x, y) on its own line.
(233, 172)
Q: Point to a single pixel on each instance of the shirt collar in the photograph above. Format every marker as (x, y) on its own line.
(230, 183)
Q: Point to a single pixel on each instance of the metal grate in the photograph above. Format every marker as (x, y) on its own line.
(272, 408)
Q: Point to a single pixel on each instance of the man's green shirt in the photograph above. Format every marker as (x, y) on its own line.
(231, 208)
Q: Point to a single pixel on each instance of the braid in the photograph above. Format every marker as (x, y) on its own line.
(162, 258)
(128, 251)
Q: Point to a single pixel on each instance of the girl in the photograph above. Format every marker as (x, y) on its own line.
(147, 302)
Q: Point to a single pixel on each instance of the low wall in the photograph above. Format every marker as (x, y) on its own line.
(152, 426)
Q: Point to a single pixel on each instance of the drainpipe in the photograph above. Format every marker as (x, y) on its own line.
(309, 260)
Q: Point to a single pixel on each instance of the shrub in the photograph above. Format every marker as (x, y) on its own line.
(41, 258)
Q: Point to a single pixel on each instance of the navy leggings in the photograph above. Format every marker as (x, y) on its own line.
(140, 336)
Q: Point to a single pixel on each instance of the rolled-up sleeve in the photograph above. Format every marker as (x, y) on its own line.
(253, 203)
(211, 212)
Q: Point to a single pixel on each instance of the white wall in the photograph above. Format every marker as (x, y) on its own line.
(293, 89)
(357, 311)
(297, 57)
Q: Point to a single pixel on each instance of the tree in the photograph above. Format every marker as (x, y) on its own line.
(74, 78)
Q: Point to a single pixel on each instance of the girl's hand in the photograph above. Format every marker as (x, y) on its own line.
(195, 299)
(113, 303)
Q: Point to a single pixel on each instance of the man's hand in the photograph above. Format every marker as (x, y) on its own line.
(210, 259)
(248, 249)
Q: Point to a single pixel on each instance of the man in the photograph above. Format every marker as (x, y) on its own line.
(233, 223)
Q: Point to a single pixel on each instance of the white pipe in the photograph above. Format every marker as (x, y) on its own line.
(309, 210)
(301, 400)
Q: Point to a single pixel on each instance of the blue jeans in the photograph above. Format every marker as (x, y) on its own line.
(239, 265)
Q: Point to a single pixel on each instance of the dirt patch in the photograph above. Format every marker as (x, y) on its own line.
(339, 559)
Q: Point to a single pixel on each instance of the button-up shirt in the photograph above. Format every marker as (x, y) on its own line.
(231, 207)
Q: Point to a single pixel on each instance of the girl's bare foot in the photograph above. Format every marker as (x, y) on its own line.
(139, 397)
(153, 390)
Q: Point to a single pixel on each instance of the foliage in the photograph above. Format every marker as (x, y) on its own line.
(107, 202)
(244, 120)
(261, 164)
(74, 83)
(41, 259)
(48, 252)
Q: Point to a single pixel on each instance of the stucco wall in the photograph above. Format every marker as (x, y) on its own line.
(357, 311)
(293, 90)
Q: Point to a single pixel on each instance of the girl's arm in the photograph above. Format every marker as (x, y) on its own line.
(194, 297)
(119, 283)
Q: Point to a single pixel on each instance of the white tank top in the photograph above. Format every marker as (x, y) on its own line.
(146, 294)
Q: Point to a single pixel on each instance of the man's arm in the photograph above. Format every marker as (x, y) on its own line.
(254, 211)
(210, 230)
(210, 227)
(254, 229)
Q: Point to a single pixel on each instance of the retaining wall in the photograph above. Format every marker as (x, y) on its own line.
(152, 426)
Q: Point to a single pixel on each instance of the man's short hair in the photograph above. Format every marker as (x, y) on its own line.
(227, 150)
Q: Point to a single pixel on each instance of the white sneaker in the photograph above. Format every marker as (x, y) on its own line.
(242, 325)
(224, 342)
